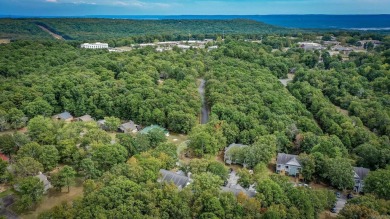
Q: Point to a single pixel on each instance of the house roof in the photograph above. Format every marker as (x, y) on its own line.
(128, 126)
(233, 146)
(147, 129)
(361, 172)
(64, 116)
(43, 178)
(179, 180)
(287, 159)
(85, 118)
(3, 157)
(237, 189)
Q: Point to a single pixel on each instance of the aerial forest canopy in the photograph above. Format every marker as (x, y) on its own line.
(146, 30)
(334, 115)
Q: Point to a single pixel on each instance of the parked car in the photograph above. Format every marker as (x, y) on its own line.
(333, 210)
(338, 194)
(349, 196)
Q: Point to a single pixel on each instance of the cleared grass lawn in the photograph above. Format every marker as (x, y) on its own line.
(54, 198)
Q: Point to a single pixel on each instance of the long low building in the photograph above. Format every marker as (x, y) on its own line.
(96, 45)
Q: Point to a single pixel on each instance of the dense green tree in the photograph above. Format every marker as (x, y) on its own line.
(308, 166)
(106, 156)
(64, 177)
(112, 123)
(339, 172)
(377, 182)
(49, 157)
(88, 168)
(26, 166)
(7, 144)
(30, 190)
(42, 130)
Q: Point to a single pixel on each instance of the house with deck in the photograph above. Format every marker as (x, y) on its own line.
(288, 164)
(360, 174)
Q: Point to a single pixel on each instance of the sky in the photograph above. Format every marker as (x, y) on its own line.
(190, 7)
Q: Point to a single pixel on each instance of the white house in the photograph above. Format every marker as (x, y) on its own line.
(96, 45)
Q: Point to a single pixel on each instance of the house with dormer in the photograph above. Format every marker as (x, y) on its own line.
(288, 164)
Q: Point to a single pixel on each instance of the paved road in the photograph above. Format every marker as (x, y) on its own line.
(340, 203)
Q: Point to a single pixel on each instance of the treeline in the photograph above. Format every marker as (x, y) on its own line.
(105, 29)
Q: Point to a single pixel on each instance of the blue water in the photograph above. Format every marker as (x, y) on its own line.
(360, 22)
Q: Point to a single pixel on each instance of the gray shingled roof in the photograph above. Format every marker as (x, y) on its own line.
(237, 189)
(128, 126)
(287, 159)
(361, 172)
(85, 118)
(46, 183)
(64, 116)
(179, 180)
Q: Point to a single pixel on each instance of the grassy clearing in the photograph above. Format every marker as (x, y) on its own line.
(54, 198)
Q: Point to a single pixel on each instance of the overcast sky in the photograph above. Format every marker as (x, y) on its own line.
(190, 7)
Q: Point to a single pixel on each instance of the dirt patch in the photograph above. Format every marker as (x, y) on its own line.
(5, 41)
(53, 199)
(58, 37)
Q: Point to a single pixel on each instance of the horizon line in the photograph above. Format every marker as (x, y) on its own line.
(164, 15)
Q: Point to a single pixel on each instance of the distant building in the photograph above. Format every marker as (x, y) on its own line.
(360, 174)
(129, 127)
(170, 177)
(85, 118)
(228, 158)
(288, 164)
(212, 48)
(96, 45)
(65, 116)
(310, 46)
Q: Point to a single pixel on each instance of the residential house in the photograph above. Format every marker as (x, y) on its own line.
(129, 127)
(179, 180)
(228, 158)
(65, 116)
(288, 164)
(147, 129)
(85, 118)
(360, 174)
(43, 178)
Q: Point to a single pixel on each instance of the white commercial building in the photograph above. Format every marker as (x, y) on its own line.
(94, 45)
